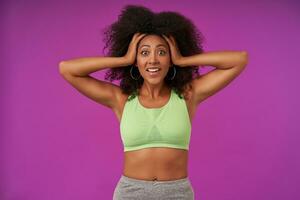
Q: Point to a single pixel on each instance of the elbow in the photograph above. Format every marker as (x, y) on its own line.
(244, 58)
(62, 67)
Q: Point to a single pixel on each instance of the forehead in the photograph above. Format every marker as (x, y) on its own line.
(152, 40)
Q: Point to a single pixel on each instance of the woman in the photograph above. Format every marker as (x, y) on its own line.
(156, 56)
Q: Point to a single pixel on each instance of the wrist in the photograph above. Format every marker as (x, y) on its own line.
(124, 61)
(181, 62)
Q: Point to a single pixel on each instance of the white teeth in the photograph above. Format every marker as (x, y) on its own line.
(152, 70)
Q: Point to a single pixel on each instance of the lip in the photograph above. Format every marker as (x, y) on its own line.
(153, 67)
(154, 74)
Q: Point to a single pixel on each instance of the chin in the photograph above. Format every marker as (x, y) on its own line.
(154, 81)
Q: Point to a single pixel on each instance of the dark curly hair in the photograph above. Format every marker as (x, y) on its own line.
(135, 18)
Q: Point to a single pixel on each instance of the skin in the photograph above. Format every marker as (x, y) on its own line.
(153, 51)
(154, 163)
(158, 163)
(170, 163)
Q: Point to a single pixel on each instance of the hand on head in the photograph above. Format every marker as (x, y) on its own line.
(176, 56)
(131, 52)
(130, 56)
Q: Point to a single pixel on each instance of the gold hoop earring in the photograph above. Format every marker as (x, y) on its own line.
(132, 75)
(174, 73)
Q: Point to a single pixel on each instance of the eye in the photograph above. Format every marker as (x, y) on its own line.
(142, 52)
(164, 52)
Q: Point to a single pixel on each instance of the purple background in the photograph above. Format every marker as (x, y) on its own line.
(57, 144)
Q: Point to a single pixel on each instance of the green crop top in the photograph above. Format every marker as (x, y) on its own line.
(167, 126)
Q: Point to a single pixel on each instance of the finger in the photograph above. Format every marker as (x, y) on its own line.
(135, 36)
(141, 36)
(173, 39)
(167, 39)
(170, 39)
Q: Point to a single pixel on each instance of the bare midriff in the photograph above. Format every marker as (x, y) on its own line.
(156, 163)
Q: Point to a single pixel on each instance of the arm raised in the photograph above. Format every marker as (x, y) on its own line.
(77, 71)
(87, 65)
(229, 64)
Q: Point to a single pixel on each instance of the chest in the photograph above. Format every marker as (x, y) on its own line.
(191, 107)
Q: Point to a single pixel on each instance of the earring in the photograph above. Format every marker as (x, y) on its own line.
(174, 73)
(132, 75)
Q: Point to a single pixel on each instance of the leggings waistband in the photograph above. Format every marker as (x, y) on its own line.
(141, 181)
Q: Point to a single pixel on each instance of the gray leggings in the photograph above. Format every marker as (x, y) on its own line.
(135, 189)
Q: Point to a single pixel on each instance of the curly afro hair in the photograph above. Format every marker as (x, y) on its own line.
(135, 18)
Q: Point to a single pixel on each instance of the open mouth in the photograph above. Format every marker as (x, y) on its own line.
(153, 70)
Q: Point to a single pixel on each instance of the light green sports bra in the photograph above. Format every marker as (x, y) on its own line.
(167, 126)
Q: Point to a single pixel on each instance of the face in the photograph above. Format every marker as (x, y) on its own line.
(153, 52)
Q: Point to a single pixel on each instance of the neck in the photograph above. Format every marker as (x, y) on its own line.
(154, 91)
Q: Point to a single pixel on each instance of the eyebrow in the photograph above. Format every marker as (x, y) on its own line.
(156, 45)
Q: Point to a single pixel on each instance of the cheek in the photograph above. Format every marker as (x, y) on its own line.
(167, 57)
(140, 59)
(167, 61)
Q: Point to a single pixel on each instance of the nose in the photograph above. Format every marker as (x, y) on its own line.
(153, 59)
